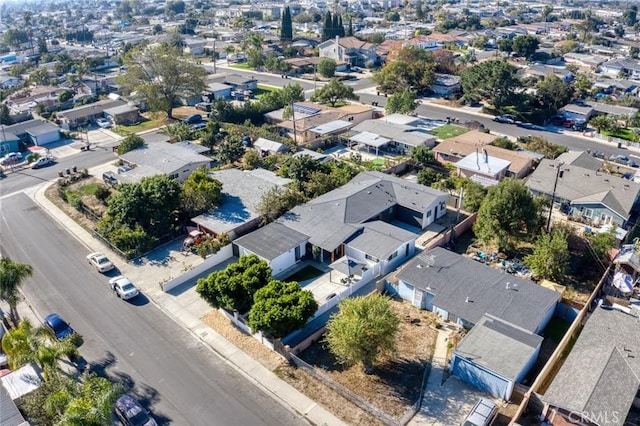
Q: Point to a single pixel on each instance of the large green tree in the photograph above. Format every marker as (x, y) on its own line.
(553, 93)
(507, 216)
(412, 68)
(161, 76)
(333, 92)
(152, 204)
(286, 27)
(233, 288)
(493, 80)
(12, 276)
(275, 202)
(200, 193)
(280, 308)
(550, 256)
(130, 143)
(525, 45)
(402, 102)
(327, 67)
(363, 330)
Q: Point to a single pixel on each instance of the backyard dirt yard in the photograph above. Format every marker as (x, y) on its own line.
(398, 378)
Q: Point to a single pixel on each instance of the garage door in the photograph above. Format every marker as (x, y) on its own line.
(480, 377)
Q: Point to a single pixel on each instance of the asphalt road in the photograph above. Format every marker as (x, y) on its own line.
(176, 376)
(22, 178)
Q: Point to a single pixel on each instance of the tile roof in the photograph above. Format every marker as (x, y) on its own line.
(453, 278)
(601, 372)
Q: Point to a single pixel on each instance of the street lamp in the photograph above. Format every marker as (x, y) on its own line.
(559, 172)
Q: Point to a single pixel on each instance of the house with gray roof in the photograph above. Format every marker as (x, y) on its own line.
(381, 133)
(628, 66)
(78, 116)
(580, 159)
(177, 161)
(35, 131)
(365, 220)
(599, 380)
(588, 194)
(462, 290)
(495, 355)
(242, 192)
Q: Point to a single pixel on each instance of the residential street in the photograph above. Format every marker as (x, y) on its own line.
(177, 377)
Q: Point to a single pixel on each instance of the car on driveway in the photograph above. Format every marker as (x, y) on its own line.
(193, 119)
(103, 123)
(42, 162)
(11, 158)
(100, 262)
(130, 413)
(123, 288)
(506, 118)
(60, 327)
(110, 179)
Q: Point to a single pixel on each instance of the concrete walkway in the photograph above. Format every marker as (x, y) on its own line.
(446, 400)
(187, 309)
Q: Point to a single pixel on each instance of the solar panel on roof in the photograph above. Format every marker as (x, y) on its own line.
(304, 109)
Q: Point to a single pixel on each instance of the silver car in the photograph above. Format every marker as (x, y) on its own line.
(123, 288)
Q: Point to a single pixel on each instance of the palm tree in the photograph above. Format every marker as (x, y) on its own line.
(24, 344)
(12, 275)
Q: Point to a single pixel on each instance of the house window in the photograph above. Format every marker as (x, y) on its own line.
(393, 255)
(174, 176)
(588, 213)
(429, 213)
(371, 258)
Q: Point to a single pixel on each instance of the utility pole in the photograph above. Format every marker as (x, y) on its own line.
(293, 120)
(214, 56)
(559, 172)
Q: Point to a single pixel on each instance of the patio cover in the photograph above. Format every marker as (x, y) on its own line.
(370, 139)
(348, 266)
(334, 126)
(22, 381)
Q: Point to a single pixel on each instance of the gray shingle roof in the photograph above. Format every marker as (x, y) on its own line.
(578, 183)
(242, 193)
(453, 278)
(9, 413)
(271, 241)
(601, 372)
(43, 129)
(410, 135)
(499, 346)
(379, 239)
(164, 157)
(95, 108)
(335, 216)
(580, 159)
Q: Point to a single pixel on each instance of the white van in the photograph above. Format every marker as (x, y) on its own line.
(483, 413)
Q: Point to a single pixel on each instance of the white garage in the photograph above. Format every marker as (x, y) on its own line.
(44, 134)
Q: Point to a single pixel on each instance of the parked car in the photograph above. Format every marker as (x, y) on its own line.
(482, 414)
(122, 169)
(100, 262)
(193, 119)
(103, 123)
(11, 158)
(248, 94)
(623, 159)
(110, 179)
(203, 106)
(42, 162)
(123, 288)
(506, 118)
(130, 413)
(60, 327)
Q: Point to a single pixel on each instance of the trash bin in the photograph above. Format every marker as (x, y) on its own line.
(75, 169)
(68, 171)
(619, 145)
(61, 173)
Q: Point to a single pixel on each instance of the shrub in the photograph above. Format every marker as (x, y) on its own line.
(74, 200)
(102, 193)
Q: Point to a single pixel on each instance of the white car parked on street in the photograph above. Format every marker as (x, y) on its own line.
(100, 262)
(123, 288)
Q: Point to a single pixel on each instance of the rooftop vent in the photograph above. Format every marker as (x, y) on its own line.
(466, 300)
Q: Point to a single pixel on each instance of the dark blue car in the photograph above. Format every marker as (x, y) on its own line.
(60, 327)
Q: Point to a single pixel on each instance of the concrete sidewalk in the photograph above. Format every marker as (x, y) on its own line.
(186, 310)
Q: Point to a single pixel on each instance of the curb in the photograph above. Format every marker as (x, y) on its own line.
(328, 418)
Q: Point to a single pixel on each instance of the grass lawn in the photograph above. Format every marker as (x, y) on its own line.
(306, 273)
(448, 131)
(621, 133)
(263, 90)
(241, 66)
(89, 189)
(140, 127)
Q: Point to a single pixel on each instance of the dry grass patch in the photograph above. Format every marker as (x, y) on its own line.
(298, 378)
(398, 378)
(91, 201)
